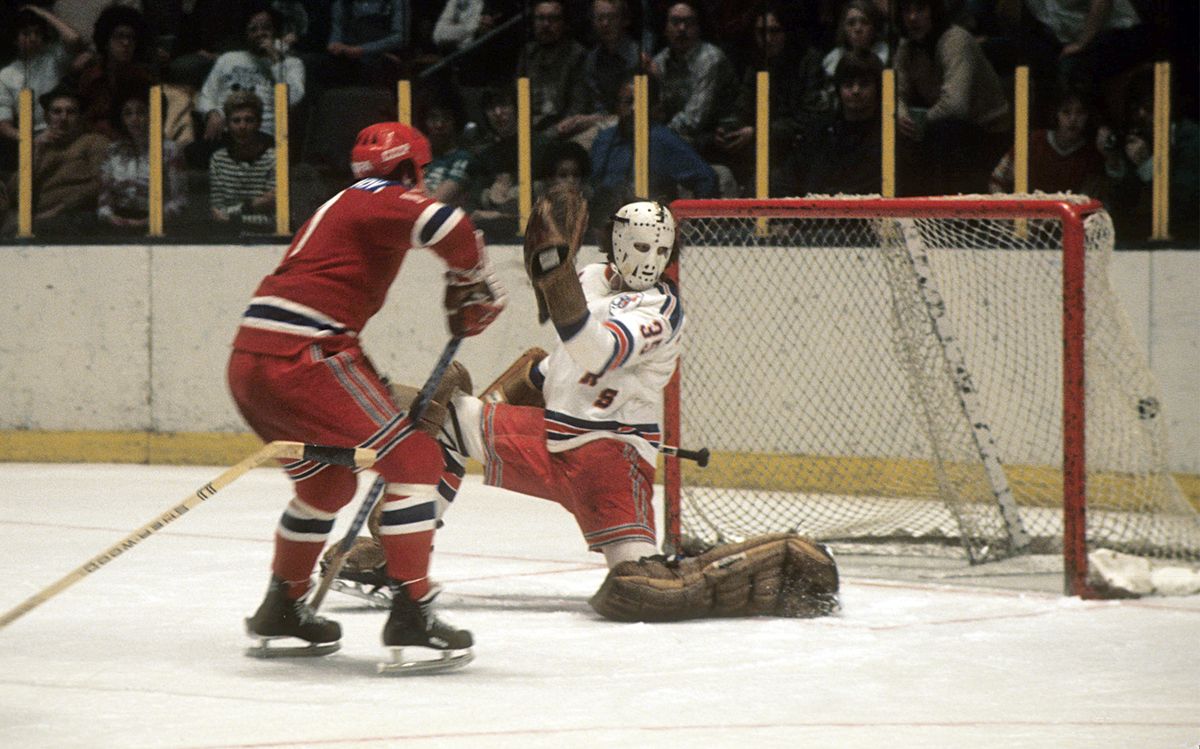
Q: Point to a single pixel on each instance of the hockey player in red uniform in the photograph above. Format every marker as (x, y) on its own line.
(298, 372)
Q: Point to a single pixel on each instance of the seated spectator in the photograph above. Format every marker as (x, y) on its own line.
(66, 169)
(953, 118)
(447, 177)
(124, 204)
(797, 95)
(368, 42)
(495, 169)
(1062, 158)
(1129, 165)
(120, 62)
(614, 58)
(567, 163)
(842, 151)
(675, 167)
(45, 45)
(553, 62)
(255, 69)
(241, 176)
(1082, 43)
(697, 79)
(861, 25)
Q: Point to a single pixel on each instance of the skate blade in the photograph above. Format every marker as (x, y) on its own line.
(264, 648)
(380, 599)
(448, 660)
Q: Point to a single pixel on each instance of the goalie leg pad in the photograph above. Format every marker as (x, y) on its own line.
(457, 378)
(781, 574)
(515, 385)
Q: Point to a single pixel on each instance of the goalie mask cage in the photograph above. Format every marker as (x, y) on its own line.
(916, 375)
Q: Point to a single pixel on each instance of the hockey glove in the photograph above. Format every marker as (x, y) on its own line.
(474, 298)
(552, 239)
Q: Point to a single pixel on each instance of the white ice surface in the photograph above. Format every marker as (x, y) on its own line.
(148, 650)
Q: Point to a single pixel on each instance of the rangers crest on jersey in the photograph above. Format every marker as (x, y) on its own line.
(625, 301)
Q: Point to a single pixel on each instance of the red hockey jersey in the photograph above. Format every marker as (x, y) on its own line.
(336, 273)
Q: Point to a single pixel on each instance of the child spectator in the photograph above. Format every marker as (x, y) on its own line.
(125, 173)
(241, 176)
(1062, 158)
(841, 152)
(45, 45)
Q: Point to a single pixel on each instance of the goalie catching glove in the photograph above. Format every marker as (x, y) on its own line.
(474, 297)
(780, 574)
(552, 238)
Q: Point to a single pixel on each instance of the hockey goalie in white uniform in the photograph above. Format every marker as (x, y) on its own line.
(580, 426)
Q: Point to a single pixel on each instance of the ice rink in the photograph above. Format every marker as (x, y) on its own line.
(148, 651)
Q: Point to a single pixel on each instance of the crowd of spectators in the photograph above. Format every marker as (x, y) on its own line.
(218, 61)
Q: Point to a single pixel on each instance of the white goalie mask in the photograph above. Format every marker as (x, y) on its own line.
(643, 241)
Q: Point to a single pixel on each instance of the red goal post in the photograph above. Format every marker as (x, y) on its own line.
(924, 364)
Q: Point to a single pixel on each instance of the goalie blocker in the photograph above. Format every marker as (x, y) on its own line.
(780, 574)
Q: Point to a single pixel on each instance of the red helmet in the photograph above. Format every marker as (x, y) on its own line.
(382, 147)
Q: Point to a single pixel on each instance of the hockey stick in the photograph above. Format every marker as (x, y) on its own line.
(700, 456)
(368, 504)
(343, 456)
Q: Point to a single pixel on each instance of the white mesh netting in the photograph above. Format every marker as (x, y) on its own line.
(884, 380)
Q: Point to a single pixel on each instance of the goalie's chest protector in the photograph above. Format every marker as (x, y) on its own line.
(624, 400)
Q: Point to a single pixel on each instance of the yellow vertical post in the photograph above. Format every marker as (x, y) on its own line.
(887, 111)
(404, 102)
(762, 144)
(1160, 225)
(25, 164)
(641, 136)
(1021, 141)
(282, 183)
(524, 156)
(156, 162)
(1021, 130)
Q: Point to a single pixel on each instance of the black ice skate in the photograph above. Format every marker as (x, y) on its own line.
(412, 624)
(279, 617)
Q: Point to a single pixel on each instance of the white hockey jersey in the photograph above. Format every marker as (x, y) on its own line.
(605, 381)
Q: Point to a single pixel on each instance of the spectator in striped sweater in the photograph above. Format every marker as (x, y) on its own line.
(241, 176)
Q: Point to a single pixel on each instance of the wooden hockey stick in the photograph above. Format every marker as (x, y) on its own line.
(700, 456)
(342, 456)
(364, 511)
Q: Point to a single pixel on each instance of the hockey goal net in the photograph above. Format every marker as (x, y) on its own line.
(925, 374)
